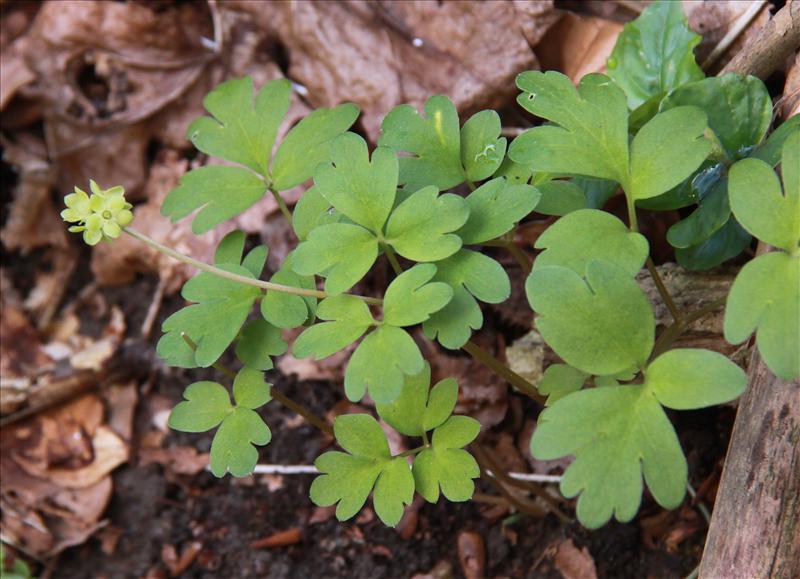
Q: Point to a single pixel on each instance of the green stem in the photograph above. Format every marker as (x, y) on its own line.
(287, 213)
(523, 259)
(663, 291)
(413, 451)
(632, 219)
(502, 370)
(266, 285)
(390, 255)
(668, 336)
(316, 421)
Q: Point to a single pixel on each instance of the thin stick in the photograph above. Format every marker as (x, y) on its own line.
(503, 371)
(662, 290)
(233, 276)
(733, 33)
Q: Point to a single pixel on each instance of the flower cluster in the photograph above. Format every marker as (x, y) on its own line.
(99, 216)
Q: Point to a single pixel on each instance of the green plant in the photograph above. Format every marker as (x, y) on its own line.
(655, 131)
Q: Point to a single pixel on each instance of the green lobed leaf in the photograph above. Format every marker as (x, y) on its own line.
(308, 144)
(380, 363)
(312, 210)
(654, 54)
(592, 139)
(446, 464)
(420, 408)
(363, 191)
(515, 173)
(560, 198)
(558, 380)
(471, 275)
(242, 129)
(757, 201)
(347, 319)
(250, 390)
(765, 298)
(739, 109)
(259, 342)
(686, 378)
(577, 239)
(602, 324)
(340, 252)
(433, 140)
(770, 150)
(219, 192)
(232, 449)
(725, 243)
(348, 478)
(495, 208)
(666, 151)
(205, 405)
(412, 297)
(713, 211)
(286, 310)
(617, 434)
(482, 147)
(421, 227)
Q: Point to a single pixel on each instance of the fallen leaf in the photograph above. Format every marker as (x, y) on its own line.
(574, 563)
(471, 554)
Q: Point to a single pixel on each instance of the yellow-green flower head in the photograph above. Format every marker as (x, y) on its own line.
(101, 215)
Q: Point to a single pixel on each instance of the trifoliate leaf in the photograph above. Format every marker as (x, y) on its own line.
(654, 54)
(560, 197)
(221, 308)
(362, 190)
(617, 434)
(602, 324)
(412, 297)
(739, 109)
(471, 275)
(558, 380)
(348, 478)
(219, 192)
(347, 319)
(433, 140)
(421, 227)
(205, 405)
(286, 310)
(420, 408)
(380, 363)
(685, 378)
(243, 128)
(725, 243)
(667, 150)
(758, 203)
(308, 144)
(482, 147)
(340, 252)
(312, 210)
(592, 139)
(250, 390)
(446, 464)
(765, 298)
(602, 236)
(495, 208)
(232, 449)
(260, 341)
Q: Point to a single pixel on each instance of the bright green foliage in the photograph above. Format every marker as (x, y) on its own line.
(312, 211)
(243, 129)
(259, 342)
(482, 147)
(420, 408)
(342, 252)
(101, 216)
(602, 236)
(348, 478)
(494, 208)
(684, 379)
(208, 404)
(617, 434)
(286, 310)
(602, 324)
(347, 319)
(221, 307)
(560, 197)
(360, 190)
(654, 54)
(446, 464)
(411, 299)
(421, 227)
(765, 298)
(308, 144)
(592, 137)
(472, 276)
(558, 380)
(381, 362)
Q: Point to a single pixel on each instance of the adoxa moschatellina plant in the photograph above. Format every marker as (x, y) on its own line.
(654, 130)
